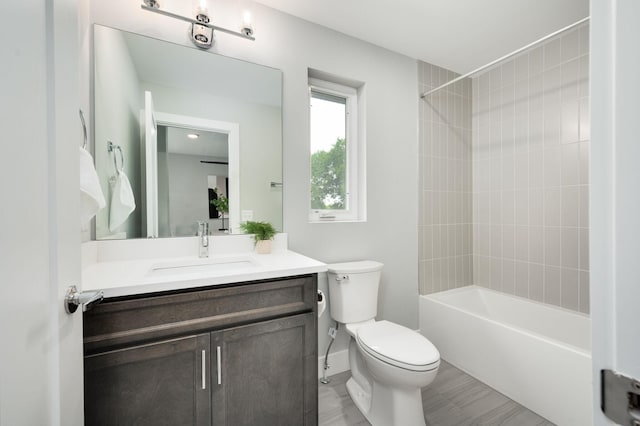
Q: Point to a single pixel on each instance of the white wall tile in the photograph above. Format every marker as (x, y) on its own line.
(536, 281)
(570, 45)
(570, 206)
(570, 121)
(552, 167)
(571, 164)
(536, 244)
(552, 53)
(584, 206)
(536, 60)
(553, 207)
(536, 169)
(521, 71)
(508, 242)
(496, 273)
(570, 289)
(536, 207)
(522, 243)
(584, 127)
(522, 279)
(509, 276)
(552, 285)
(511, 202)
(584, 292)
(584, 249)
(552, 246)
(570, 71)
(570, 247)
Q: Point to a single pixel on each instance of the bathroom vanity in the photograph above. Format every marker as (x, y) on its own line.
(211, 350)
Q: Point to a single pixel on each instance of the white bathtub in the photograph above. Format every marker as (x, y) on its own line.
(536, 354)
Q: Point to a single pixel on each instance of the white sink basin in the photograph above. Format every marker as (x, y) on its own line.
(209, 266)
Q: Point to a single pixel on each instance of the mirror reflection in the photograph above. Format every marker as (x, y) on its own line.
(198, 136)
(193, 173)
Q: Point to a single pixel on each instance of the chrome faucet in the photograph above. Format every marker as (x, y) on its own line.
(203, 239)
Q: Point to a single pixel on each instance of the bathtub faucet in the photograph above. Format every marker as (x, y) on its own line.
(203, 239)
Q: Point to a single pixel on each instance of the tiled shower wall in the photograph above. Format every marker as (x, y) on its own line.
(445, 225)
(530, 174)
(515, 194)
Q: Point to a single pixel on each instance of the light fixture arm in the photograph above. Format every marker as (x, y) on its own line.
(194, 21)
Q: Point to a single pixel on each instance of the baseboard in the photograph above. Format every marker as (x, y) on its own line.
(338, 363)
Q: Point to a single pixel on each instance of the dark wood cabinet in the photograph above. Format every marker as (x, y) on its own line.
(262, 373)
(243, 354)
(163, 383)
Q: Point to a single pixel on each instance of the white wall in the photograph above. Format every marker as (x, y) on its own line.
(118, 102)
(615, 205)
(41, 356)
(294, 45)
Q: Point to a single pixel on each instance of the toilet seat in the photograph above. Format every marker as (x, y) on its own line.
(398, 346)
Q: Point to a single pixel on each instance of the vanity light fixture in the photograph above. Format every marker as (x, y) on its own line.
(193, 136)
(201, 27)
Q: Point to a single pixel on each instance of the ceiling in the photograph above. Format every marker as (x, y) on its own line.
(459, 35)
(208, 144)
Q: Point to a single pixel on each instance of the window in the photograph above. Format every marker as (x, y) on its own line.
(337, 178)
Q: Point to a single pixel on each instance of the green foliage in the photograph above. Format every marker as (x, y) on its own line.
(221, 203)
(260, 230)
(328, 177)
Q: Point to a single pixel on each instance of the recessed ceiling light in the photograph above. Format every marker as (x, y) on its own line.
(193, 136)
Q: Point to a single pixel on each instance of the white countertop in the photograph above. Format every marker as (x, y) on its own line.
(130, 267)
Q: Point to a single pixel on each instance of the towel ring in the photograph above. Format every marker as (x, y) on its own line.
(111, 147)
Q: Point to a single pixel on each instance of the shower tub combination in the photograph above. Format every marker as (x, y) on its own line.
(536, 354)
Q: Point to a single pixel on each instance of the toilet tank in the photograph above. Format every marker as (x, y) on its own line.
(353, 290)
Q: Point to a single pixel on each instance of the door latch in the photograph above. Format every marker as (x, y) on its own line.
(620, 398)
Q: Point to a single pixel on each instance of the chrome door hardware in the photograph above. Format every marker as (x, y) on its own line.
(620, 398)
(87, 299)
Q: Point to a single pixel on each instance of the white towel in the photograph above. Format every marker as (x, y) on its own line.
(91, 196)
(122, 201)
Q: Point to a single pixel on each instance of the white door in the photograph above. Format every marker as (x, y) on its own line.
(41, 355)
(615, 191)
(150, 169)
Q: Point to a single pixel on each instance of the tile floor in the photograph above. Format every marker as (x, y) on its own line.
(453, 399)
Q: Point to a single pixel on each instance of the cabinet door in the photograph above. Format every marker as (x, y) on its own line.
(163, 383)
(266, 373)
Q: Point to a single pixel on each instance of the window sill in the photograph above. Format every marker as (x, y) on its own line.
(337, 220)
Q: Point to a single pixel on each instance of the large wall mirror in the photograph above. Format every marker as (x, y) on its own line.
(178, 132)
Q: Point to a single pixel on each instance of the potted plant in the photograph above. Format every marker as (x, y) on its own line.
(263, 233)
(222, 205)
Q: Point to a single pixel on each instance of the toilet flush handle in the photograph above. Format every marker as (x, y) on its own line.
(343, 277)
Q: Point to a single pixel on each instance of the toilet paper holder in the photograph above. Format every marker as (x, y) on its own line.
(322, 303)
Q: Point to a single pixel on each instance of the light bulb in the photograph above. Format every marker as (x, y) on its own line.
(202, 14)
(247, 26)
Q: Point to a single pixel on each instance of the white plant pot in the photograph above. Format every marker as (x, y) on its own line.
(263, 246)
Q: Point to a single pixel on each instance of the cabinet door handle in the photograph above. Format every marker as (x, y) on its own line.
(204, 369)
(219, 357)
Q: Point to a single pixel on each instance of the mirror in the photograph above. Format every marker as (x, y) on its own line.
(176, 128)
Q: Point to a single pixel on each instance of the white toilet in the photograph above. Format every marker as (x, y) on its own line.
(389, 363)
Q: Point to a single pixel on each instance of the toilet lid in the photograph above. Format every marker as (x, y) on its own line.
(398, 345)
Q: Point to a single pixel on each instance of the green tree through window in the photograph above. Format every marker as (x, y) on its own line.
(329, 177)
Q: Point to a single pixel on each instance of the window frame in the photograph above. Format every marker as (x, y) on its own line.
(354, 210)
